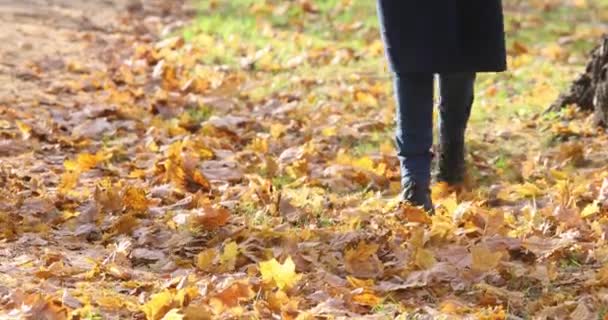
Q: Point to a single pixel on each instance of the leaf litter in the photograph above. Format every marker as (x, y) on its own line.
(169, 189)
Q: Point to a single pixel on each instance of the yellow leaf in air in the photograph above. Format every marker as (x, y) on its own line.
(228, 257)
(204, 260)
(284, 275)
(590, 210)
(424, 259)
(485, 259)
(158, 305)
(173, 314)
(417, 237)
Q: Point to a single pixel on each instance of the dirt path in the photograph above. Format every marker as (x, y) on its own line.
(49, 50)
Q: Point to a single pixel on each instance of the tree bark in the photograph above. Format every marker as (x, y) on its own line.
(590, 90)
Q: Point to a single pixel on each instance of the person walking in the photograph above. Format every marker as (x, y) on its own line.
(453, 39)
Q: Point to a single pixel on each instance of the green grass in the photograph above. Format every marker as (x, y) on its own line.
(241, 27)
(556, 40)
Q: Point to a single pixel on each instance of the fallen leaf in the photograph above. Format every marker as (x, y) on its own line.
(209, 218)
(424, 259)
(484, 259)
(362, 261)
(158, 305)
(283, 275)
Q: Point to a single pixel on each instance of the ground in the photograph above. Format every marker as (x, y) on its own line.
(239, 164)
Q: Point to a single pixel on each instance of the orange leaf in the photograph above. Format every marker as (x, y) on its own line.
(210, 218)
(235, 293)
(413, 214)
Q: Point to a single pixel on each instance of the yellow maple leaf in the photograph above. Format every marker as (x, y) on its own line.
(204, 260)
(590, 210)
(228, 257)
(284, 275)
(158, 305)
(135, 199)
(184, 296)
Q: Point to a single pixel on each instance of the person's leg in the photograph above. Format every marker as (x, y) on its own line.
(457, 94)
(414, 135)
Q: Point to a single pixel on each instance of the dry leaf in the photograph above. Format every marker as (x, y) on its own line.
(484, 259)
(209, 218)
(362, 261)
(158, 305)
(283, 275)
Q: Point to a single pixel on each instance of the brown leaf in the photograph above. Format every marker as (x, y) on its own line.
(234, 294)
(484, 259)
(209, 217)
(222, 171)
(107, 196)
(91, 129)
(362, 261)
(582, 312)
(147, 254)
(412, 214)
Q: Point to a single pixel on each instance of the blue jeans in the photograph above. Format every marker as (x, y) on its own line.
(414, 134)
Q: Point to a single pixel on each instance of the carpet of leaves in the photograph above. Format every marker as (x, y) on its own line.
(178, 191)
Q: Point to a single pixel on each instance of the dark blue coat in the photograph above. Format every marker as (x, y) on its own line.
(442, 36)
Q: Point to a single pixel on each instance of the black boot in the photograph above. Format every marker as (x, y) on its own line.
(451, 163)
(418, 195)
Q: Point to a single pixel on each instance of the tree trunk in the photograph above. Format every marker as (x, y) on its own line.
(590, 90)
